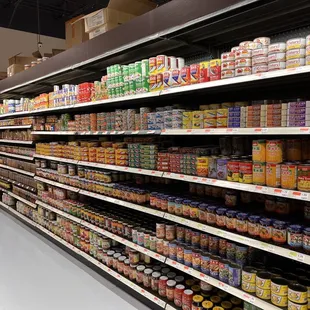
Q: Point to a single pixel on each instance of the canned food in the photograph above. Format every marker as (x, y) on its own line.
(245, 172)
(248, 287)
(296, 53)
(289, 176)
(245, 44)
(273, 175)
(243, 71)
(259, 173)
(308, 60)
(294, 63)
(294, 306)
(243, 62)
(296, 43)
(249, 275)
(260, 69)
(228, 65)
(161, 63)
(254, 45)
(277, 65)
(297, 293)
(225, 74)
(262, 40)
(233, 171)
(260, 52)
(243, 53)
(303, 178)
(277, 48)
(230, 56)
(276, 57)
(278, 300)
(279, 286)
(274, 151)
(259, 60)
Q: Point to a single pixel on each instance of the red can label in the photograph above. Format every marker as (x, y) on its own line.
(195, 73)
(185, 76)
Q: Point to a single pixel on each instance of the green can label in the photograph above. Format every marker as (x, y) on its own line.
(110, 93)
(132, 87)
(138, 69)
(132, 68)
(112, 71)
(145, 68)
(142, 85)
(117, 70)
(126, 89)
(109, 71)
(113, 93)
(117, 92)
(125, 71)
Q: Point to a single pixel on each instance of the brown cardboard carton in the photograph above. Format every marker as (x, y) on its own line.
(75, 32)
(117, 12)
(20, 60)
(102, 29)
(15, 68)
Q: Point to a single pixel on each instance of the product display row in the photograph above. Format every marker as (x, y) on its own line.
(14, 163)
(19, 135)
(17, 150)
(19, 179)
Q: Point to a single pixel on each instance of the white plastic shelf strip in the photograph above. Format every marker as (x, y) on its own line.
(15, 127)
(16, 141)
(272, 191)
(54, 133)
(117, 238)
(25, 201)
(95, 262)
(16, 156)
(31, 174)
(277, 250)
(223, 286)
(272, 76)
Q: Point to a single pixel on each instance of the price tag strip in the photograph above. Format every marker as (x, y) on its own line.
(68, 187)
(103, 267)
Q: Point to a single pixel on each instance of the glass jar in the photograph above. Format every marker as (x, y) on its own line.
(211, 215)
(154, 281)
(170, 289)
(242, 223)
(121, 264)
(171, 204)
(202, 214)
(221, 217)
(265, 229)
(279, 232)
(186, 208)
(140, 273)
(147, 277)
(179, 207)
(231, 199)
(132, 272)
(254, 225)
(306, 240)
(194, 210)
(230, 220)
(295, 236)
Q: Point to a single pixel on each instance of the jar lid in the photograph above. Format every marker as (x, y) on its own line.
(122, 258)
(141, 268)
(188, 292)
(207, 304)
(279, 224)
(165, 270)
(171, 283)
(254, 218)
(179, 279)
(242, 216)
(156, 274)
(148, 271)
(296, 228)
(221, 211)
(171, 275)
(211, 208)
(231, 213)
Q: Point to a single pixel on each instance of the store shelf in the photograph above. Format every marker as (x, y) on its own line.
(31, 174)
(92, 260)
(272, 191)
(98, 133)
(69, 188)
(33, 205)
(16, 141)
(119, 239)
(123, 203)
(259, 131)
(223, 286)
(16, 156)
(280, 251)
(15, 127)
(18, 184)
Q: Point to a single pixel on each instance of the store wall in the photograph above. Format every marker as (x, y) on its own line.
(14, 42)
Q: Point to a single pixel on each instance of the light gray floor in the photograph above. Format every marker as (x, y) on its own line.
(37, 275)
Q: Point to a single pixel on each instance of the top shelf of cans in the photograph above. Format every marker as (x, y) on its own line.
(162, 72)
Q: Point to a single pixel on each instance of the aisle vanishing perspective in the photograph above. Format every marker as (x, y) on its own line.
(34, 273)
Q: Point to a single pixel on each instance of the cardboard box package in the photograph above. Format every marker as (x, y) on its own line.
(15, 68)
(75, 32)
(20, 60)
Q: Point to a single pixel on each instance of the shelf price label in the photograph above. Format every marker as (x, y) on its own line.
(300, 195)
(297, 256)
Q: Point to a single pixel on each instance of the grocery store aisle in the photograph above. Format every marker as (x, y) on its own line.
(36, 275)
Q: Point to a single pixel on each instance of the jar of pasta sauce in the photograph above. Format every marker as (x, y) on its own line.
(253, 225)
(306, 240)
(170, 289)
(202, 213)
(242, 223)
(178, 207)
(194, 210)
(171, 204)
(279, 232)
(162, 286)
(153, 199)
(265, 229)
(211, 215)
(295, 236)
(154, 281)
(186, 208)
(221, 217)
(230, 220)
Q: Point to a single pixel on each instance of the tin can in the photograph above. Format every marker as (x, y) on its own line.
(259, 150)
(180, 63)
(245, 172)
(294, 306)
(248, 287)
(289, 176)
(234, 278)
(260, 60)
(260, 52)
(145, 68)
(259, 69)
(162, 63)
(276, 57)
(277, 65)
(153, 83)
(294, 63)
(274, 151)
(185, 76)
(180, 253)
(263, 293)
(194, 73)
(278, 300)
(263, 40)
(303, 178)
(296, 43)
(214, 266)
(132, 87)
(296, 53)
(249, 275)
(138, 69)
(225, 74)
(243, 62)
(243, 71)
(277, 48)
(263, 280)
(297, 293)
(188, 256)
(178, 292)
(224, 270)
(259, 173)
(221, 168)
(227, 65)
(243, 53)
(233, 170)
(152, 65)
(229, 56)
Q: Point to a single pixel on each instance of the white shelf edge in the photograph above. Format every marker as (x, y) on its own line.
(57, 184)
(102, 231)
(54, 133)
(31, 174)
(223, 286)
(16, 141)
(95, 262)
(272, 191)
(65, 160)
(16, 156)
(15, 127)
(277, 250)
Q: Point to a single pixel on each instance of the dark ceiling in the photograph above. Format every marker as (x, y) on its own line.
(22, 14)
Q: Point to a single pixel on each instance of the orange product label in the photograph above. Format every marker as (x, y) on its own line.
(288, 176)
(274, 151)
(185, 76)
(153, 83)
(195, 73)
(273, 175)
